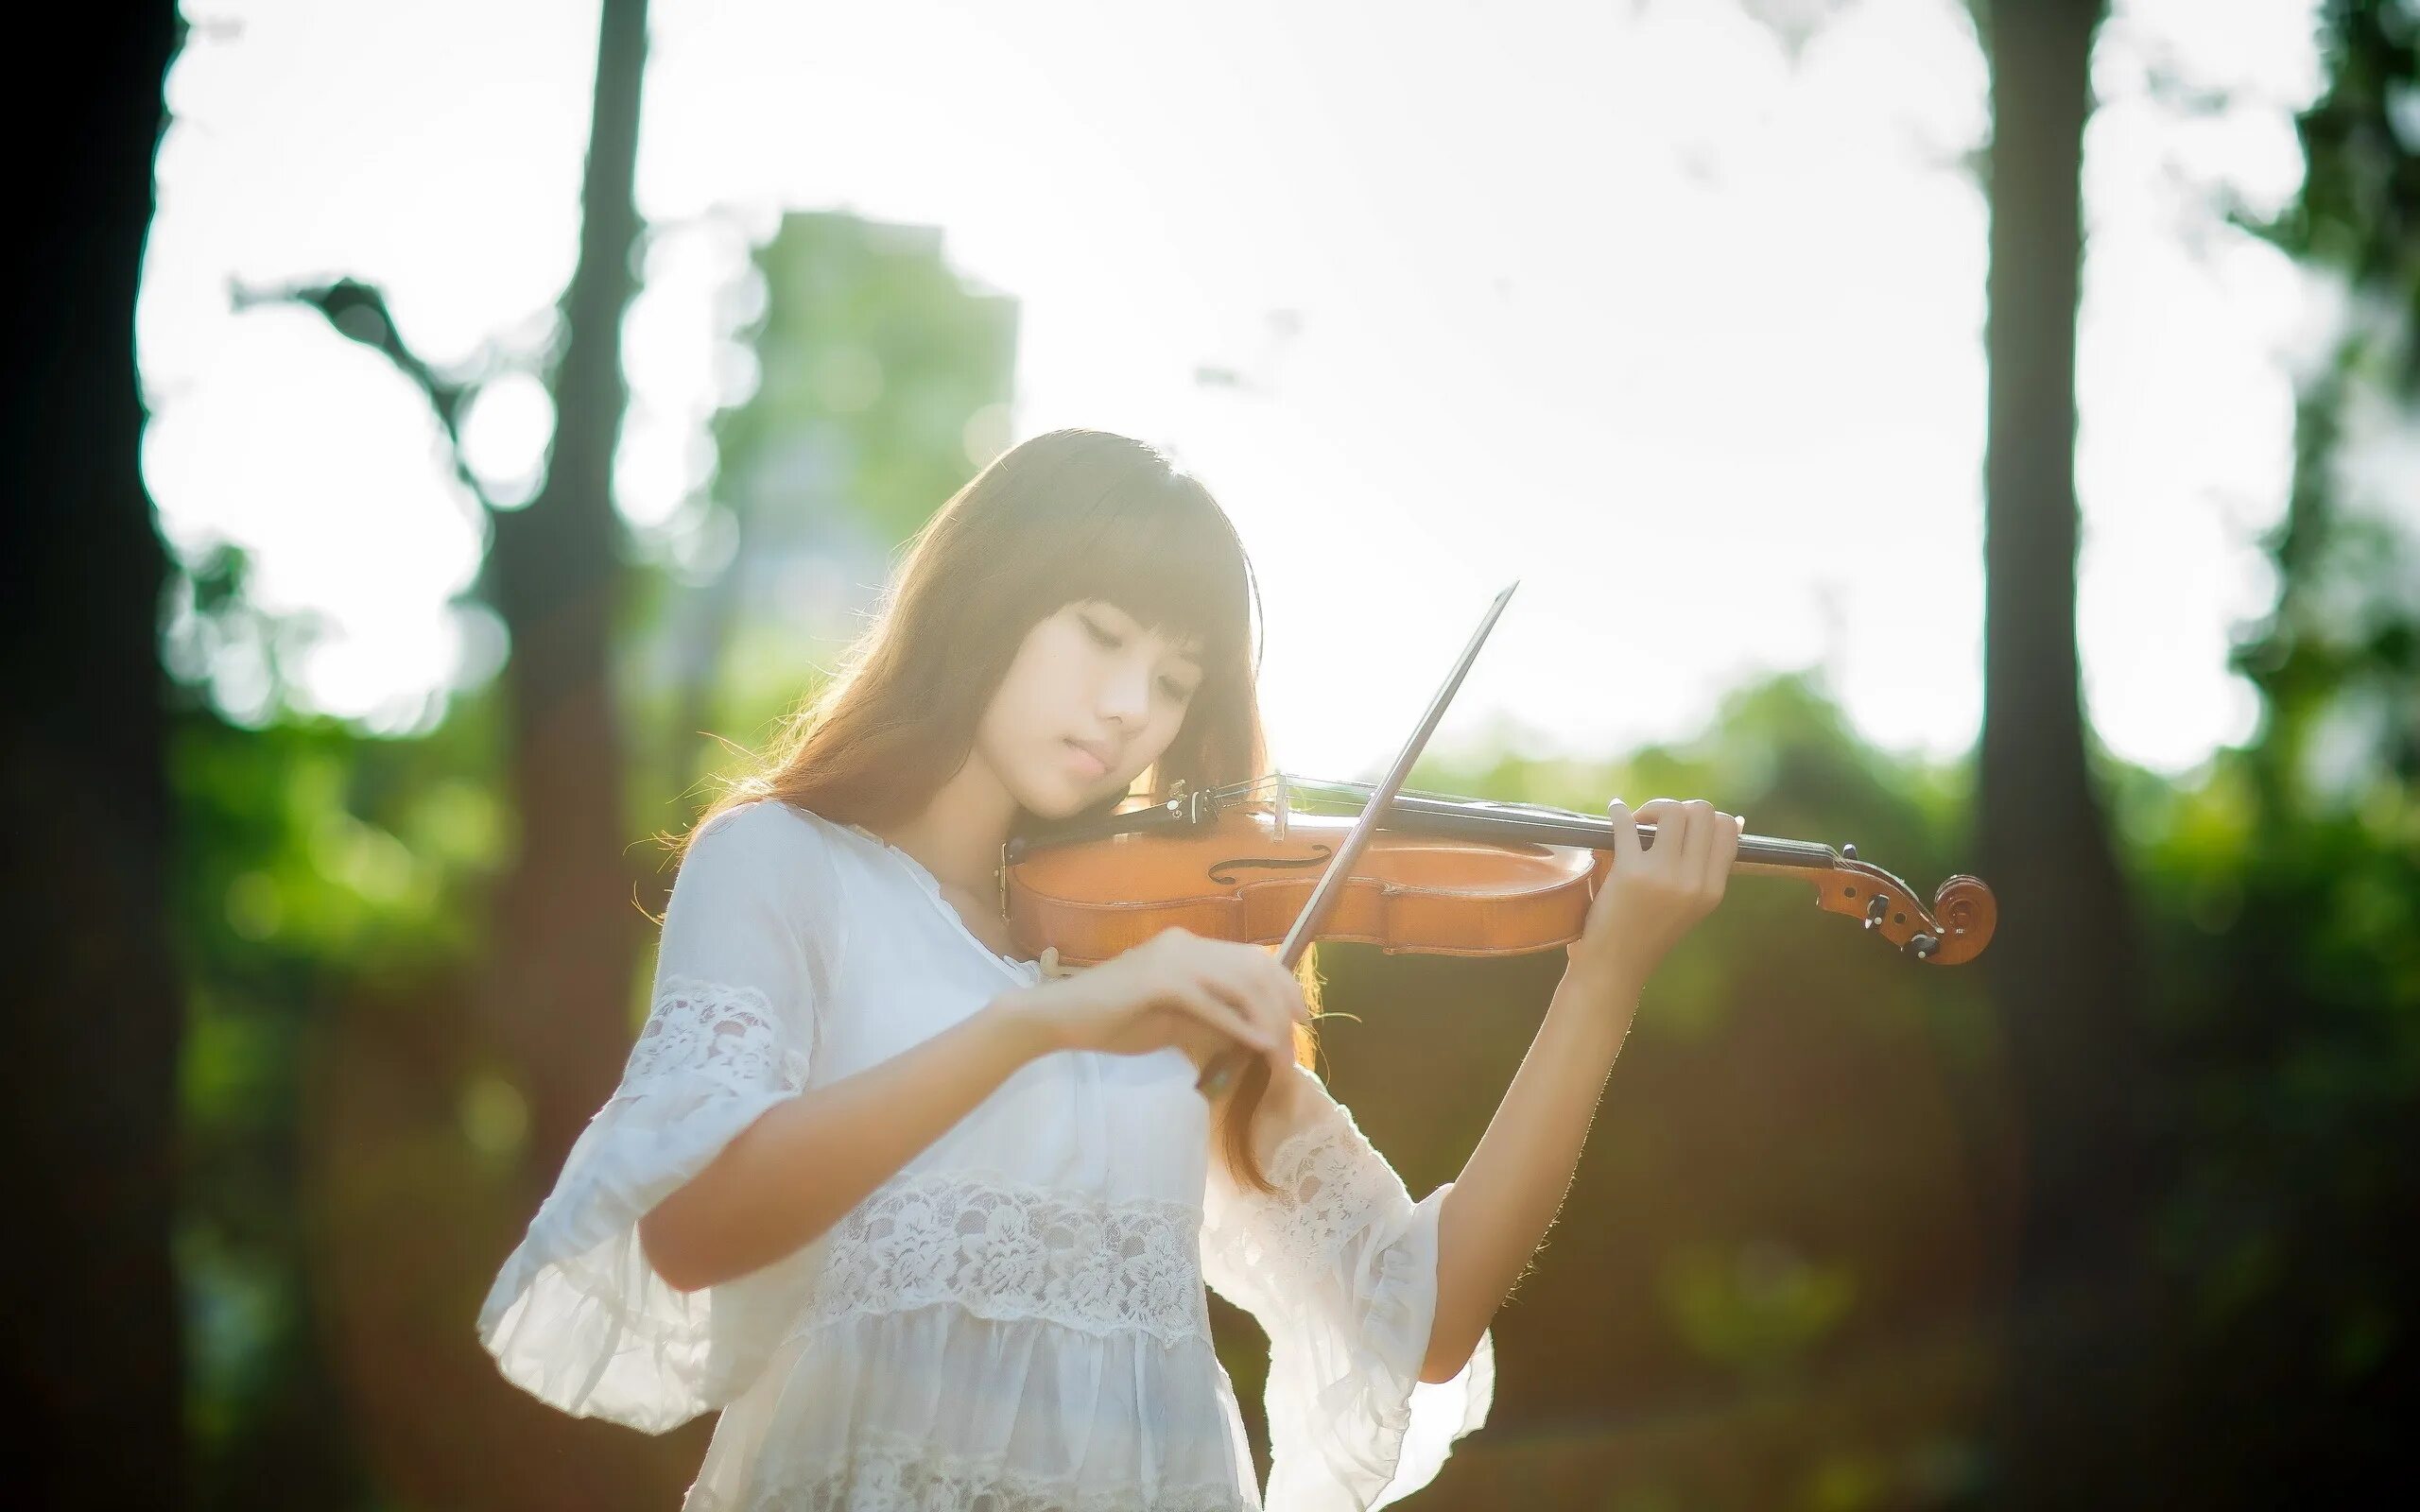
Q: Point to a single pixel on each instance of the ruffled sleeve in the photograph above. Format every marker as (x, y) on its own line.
(577, 1317)
(1339, 1267)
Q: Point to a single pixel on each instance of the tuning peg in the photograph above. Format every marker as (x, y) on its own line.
(1922, 947)
(1848, 852)
(1875, 909)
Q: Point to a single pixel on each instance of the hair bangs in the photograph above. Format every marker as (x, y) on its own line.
(1174, 562)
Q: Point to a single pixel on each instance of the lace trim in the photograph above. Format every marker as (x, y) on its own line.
(890, 1473)
(1328, 1180)
(728, 1034)
(1008, 1251)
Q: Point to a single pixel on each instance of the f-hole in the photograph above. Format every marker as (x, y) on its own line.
(1225, 878)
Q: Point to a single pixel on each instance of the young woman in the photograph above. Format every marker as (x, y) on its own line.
(931, 1228)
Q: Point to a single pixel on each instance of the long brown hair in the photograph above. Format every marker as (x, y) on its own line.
(1066, 516)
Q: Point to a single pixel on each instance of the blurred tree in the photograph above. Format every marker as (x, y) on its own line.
(2067, 973)
(2292, 885)
(884, 382)
(96, 1361)
(435, 1095)
(2064, 974)
(2338, 663)
(558, 983)
(555, 989)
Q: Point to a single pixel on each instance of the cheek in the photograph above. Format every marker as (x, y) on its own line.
(1040, 671)
(1008, 719)
(1165, 729)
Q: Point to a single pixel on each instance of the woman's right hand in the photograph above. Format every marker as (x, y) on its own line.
(1177, 988)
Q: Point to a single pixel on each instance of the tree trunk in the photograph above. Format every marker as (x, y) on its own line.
(2064, 974)
(95, 1361)
(568, 930)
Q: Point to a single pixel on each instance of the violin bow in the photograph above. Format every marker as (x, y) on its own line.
(1221, 1070)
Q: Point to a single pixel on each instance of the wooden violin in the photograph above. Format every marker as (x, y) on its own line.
(1440, 875)
(1413, 871)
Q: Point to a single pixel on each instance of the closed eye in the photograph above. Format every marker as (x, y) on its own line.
(1110, 641)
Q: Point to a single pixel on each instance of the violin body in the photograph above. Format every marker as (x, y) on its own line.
(1240, 878)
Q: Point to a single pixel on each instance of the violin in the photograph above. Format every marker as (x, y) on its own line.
(1440, 875)
(1413, 871)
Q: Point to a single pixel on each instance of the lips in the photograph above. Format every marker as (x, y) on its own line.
(1093, 756)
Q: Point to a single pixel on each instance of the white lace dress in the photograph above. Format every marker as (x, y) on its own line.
(1016, 1320)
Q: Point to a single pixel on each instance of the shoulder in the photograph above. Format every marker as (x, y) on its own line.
(769, 839)
(767, 860)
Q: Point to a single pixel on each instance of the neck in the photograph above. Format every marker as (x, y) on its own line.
(959, 836)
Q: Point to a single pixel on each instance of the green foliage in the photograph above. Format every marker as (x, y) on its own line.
(310, 861)
(884, 381)
(2338, 663)
(875, 359)
(2285, 890)
(1759, 1307)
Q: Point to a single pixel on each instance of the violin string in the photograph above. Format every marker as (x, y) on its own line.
(1803, 852)
(1253, 785)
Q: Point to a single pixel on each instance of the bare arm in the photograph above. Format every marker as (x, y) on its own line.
(1509, 1190)
(798, 1169)
(1500, 1206)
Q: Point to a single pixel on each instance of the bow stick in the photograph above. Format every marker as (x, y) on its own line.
(1221, 1070)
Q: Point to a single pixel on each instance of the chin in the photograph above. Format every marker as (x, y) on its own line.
(1056, 801)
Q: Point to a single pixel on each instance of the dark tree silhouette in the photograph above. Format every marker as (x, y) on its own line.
(2064, 974)
(94, 1364)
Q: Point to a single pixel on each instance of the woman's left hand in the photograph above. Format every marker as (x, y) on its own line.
(1653, 896)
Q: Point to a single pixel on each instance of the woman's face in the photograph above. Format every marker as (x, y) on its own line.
(1090, 699)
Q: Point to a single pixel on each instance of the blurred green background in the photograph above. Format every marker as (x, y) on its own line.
(2114, 1218)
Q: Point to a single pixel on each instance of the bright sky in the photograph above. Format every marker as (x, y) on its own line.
(1608, 297)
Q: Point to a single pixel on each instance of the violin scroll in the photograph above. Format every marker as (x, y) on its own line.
(1952, 931)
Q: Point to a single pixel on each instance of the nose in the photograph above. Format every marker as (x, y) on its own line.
(1126, 693)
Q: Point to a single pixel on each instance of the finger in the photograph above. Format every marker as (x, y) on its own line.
(1200, 1043)
(1264, 1038)
(1625, 828)
(1671, 823)
(1238, 973)
(1245, 992)
(1272, 985)
(1722, 854)
(1215, 1011)
(1267, 986)
(1696, 856)
(1700, 819)
(1245, 998)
